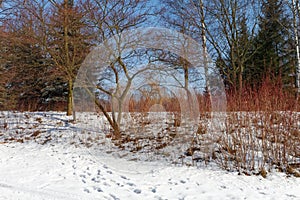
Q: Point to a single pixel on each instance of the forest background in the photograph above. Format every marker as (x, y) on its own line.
(253, 43)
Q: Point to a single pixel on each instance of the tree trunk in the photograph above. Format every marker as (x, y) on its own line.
(116, 131)
(295, 7)
(70, 99)
(205, 52)
(240, 85)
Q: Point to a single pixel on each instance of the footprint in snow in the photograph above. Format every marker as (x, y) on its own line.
(171, 183)
(97, 189)
(223, 187)
(120, 185)
(290, 195)
(86, 190)
(114, 197)
(106, 184)
(131, 184)
(88, 173)
(82, 176)
(138, 191)
(95, 180)
(124, 177)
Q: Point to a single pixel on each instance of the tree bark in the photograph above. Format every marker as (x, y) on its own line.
(70, 98)
(295, 5)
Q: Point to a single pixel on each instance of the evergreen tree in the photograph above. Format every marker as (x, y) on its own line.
(272, 44)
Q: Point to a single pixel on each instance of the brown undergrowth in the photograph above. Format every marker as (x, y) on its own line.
(260, 133)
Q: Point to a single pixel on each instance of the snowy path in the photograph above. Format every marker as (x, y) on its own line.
(31, 171)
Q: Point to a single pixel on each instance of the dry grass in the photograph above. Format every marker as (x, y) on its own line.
(261, 132)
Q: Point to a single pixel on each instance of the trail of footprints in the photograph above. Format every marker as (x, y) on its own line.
(100, 179)
(96, 179)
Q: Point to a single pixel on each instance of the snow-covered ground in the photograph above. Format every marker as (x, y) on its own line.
(49, 165)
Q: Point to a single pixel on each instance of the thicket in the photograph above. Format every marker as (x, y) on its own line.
(258, 134)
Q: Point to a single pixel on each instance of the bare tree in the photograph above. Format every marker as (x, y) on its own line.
(296, 22)
(223, 29)
(108, 19)
(67, 41)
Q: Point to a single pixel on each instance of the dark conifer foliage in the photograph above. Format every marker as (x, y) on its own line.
(273, 44)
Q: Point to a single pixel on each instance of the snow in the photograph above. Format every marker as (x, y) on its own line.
(56, 169)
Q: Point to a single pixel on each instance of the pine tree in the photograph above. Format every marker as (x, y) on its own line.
(272, 44)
